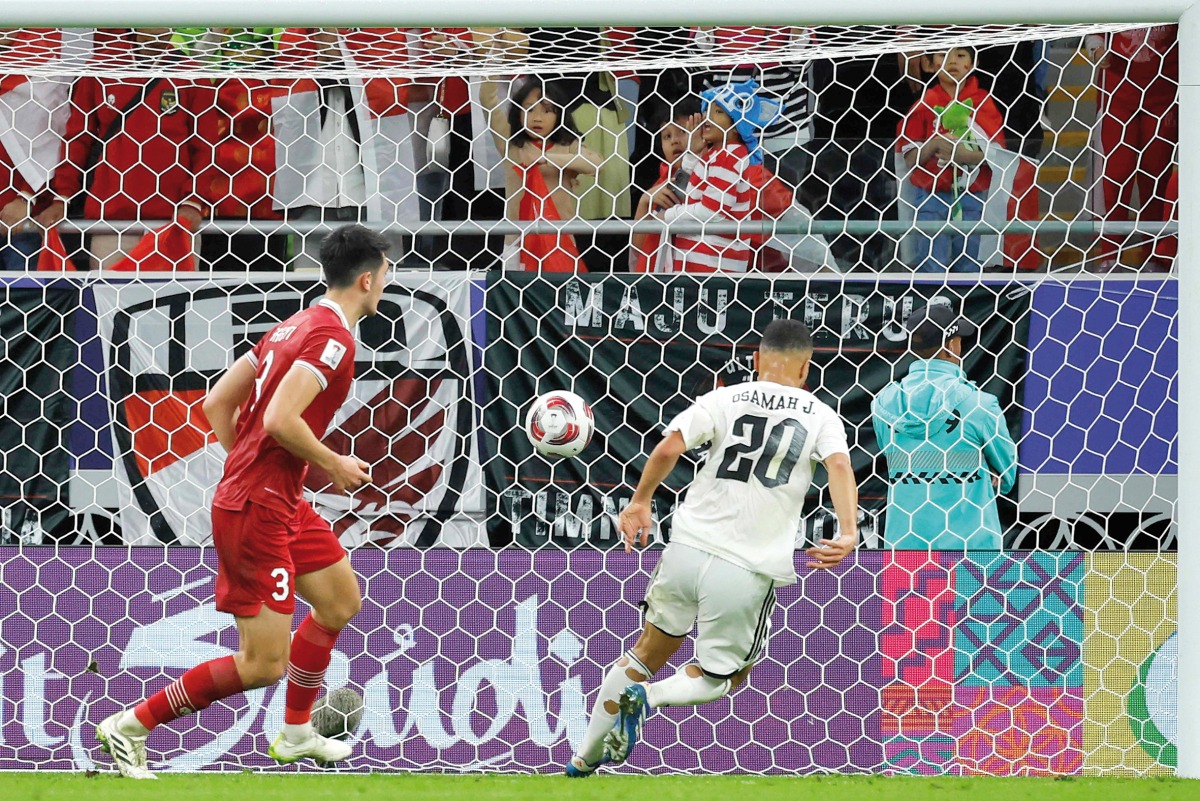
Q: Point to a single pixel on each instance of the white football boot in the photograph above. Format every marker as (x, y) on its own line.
(128, 752)
(321, 749)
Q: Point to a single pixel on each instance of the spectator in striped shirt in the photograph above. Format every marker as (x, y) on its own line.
(719, 187)
(787, 140)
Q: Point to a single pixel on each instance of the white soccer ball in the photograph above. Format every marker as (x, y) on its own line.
(560, 424)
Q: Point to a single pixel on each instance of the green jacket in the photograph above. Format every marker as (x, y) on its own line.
(944, 440)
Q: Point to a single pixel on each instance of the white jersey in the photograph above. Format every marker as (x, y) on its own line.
(746, 502)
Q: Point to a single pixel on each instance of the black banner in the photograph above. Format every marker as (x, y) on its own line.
(640, 348)
(36, 410)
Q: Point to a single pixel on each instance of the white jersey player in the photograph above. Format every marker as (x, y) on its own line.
(733, 539)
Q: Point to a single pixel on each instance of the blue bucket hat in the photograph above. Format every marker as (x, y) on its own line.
(751, 113)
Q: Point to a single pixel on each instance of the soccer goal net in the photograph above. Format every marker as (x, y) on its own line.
(617, 211)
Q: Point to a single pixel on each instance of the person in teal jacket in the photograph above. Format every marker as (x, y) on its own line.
(946, 443)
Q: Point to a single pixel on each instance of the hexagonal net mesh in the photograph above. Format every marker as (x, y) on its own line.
(618, 212)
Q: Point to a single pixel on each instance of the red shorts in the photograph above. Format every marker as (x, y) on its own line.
(260, 551)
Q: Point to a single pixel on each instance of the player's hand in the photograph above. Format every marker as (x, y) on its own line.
(348, 474)
(635, 524)
(828, 553)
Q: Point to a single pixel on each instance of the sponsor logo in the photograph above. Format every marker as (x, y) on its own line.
(411, 692)
(333, 353)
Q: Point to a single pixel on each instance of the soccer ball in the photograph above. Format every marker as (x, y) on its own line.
(560, 424)
(338, 714)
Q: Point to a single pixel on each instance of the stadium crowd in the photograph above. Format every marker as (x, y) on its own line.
(896, 136)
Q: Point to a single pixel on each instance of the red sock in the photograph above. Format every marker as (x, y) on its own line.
(311, 647)
(194, 690)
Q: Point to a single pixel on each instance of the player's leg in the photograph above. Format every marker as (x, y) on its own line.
(255, 584)
(326, 580)
(670, 606)
(733, 623)
(652, 650)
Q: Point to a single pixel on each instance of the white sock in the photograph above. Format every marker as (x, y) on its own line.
(297, 732)
(601, 722)
(684, 690)
(129, 725)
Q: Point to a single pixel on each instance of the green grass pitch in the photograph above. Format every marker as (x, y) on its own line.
(611, 787)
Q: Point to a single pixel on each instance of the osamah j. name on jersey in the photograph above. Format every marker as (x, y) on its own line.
(746, 502)
(260, 469)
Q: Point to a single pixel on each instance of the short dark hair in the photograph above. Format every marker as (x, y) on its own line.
(790, 335)
(564, 132)
(350, 251)
(677, 111)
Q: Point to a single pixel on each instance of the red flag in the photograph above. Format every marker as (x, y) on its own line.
(1020, 250)
(550, 253)
(54, 256)
(168, 248)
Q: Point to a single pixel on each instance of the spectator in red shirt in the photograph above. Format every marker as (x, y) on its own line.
(238, 128)
(679, 133)
(132, 151)
(942, 141)
(1139, 126)
(33, 115)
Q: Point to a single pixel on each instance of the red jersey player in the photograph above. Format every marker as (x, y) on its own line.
(269, 411)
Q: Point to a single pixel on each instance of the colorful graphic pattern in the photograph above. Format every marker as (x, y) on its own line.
(983, 655)
(1131, 616)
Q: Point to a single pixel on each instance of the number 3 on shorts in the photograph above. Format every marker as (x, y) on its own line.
(281, 583)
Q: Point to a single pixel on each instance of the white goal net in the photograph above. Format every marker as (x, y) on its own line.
(557, 222)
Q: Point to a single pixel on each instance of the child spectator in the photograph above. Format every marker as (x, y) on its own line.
(679, 134)
(543, 147)
(941, 140)
(719, 187)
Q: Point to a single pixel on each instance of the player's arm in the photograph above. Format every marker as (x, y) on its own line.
(843, 490)
(635, 522)
(283, 420)
(223, 401)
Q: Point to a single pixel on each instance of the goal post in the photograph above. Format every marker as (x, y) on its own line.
(1189, 387)
(560, 13)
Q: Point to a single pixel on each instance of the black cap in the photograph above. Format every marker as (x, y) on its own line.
(934, 325)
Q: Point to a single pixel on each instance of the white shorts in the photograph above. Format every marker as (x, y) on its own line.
(731, 604)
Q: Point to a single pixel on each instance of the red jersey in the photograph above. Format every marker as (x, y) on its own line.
(929, 115)
(1143, 68)
(150, 164)
(238, 129)
(260, 469)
